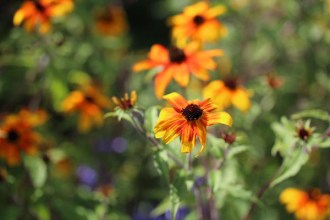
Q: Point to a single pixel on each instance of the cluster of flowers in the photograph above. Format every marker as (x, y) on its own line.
(191, 30)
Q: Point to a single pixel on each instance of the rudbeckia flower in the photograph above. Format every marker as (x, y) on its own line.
(17, 135)
(37, 15)
(198, 22)
(188, 119)
(88, 102)
(111, 21)
(126, 102)
(178, 63)
(228, 92)
(306, 205)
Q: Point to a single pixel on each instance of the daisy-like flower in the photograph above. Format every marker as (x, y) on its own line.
(198, 22)
(37, 14)
(178, 63)
(126, 102)
(111, 21)
(17, 135)
(88, 102)
(188, 119)
(306, 205)
(228, 92)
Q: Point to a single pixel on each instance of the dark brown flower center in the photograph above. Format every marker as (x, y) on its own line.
(314, 194)
(39, 6)
(176, 55)
(89, 99)
(12, 135)
(303, 134)
(198, 20)
(127, 103)
(231, 83)
(192, 112)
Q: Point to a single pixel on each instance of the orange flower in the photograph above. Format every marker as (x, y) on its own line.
(88, 102)
(126, 102)
(310, 205)
(111, 21)
(178, 63)
(198, 22)
(228, 92)
(188, 119)
(37, 14)
(17, 135)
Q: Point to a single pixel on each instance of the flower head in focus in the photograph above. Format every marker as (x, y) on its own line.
(188, 119)
(111, 21)
(306, 205)
(178, 63)
(199, 23)
(37, 15)
(89, 103)
(126, 102)
(225, 93)
(17, 135)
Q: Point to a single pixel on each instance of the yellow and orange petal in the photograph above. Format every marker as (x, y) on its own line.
(188, 119)
(227, 93)
(198, 22)
(111, 21)
(178, 64)
(17, 135)
(306, 205)
(37, 15)
(88, 103)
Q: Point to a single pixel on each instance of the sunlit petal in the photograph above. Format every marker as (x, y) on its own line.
(176, 100)
(241, 100)
(219, 118)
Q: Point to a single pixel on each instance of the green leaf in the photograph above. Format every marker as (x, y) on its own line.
(175, 200)
(59, 91)
(291, 166)
(161, 164)
(37, 170)
(216, 146)
(236, 150)
(151, 117)
(313, 113)
(325, 143)
(215, 180)
(161, 208)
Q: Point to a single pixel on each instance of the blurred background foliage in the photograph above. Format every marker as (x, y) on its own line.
(108, 172)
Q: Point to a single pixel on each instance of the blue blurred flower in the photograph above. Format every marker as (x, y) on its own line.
(87, 176)
(119, 145)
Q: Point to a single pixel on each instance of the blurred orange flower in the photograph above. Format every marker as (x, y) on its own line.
(198, 22)
(36, 15)
(228, 92)
(111, 21)
(310, 205)
(126, 102)
(88, 102)
(17, 135)
(188, 119)
(178, 63)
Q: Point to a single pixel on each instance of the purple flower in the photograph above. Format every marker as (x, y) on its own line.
(87, 176)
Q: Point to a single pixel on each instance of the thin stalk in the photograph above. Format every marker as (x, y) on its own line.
(153, 141)
(260, 193)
